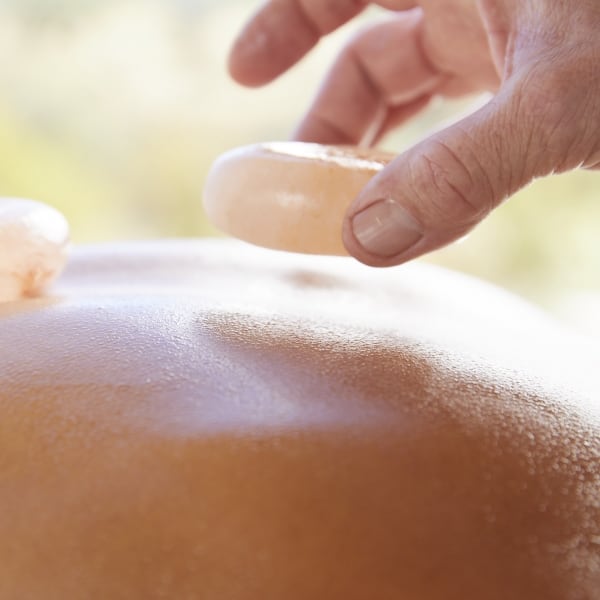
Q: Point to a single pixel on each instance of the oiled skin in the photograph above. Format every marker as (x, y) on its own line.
(209, 421)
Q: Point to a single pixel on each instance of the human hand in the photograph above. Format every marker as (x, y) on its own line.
(540, 58)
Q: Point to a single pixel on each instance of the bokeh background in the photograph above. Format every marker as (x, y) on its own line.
(113, 111)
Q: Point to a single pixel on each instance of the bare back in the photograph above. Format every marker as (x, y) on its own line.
(206, 420)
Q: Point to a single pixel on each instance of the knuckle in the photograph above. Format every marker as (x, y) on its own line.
(328, 15)
(447, 189)
(592, 162)
(559, 103)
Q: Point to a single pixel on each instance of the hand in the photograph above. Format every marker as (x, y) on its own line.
(540, 58)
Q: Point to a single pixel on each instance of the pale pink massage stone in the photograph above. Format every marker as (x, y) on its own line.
(34, 241)
(289, 195)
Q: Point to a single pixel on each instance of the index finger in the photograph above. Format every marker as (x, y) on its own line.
(283, 31)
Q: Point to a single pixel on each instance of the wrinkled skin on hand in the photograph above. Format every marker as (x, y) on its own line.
(539, 58)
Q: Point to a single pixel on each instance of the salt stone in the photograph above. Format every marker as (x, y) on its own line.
(289, 195)
(34, 241)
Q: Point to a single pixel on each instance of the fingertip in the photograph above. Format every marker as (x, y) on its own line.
(382, 234)
(320, 131)
(354, 248)
(274, 40)
(246, 63)
(234, 69)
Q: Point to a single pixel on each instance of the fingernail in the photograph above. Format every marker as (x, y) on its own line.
(385, 228)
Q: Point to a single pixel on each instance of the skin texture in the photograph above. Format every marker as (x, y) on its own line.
(201, 420)
(539, 59)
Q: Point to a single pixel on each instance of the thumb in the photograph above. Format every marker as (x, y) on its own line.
(440, 189)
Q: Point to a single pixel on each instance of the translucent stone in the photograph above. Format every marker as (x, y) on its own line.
(34, 241)
(289, 195)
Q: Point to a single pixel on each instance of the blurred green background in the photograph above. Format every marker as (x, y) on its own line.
(113, 111)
